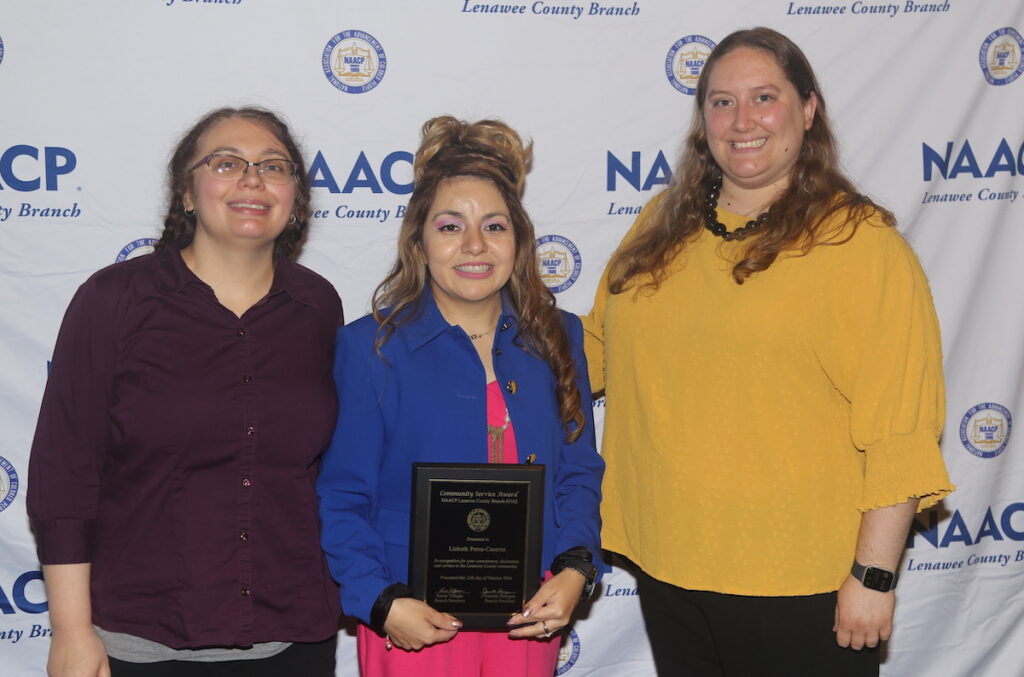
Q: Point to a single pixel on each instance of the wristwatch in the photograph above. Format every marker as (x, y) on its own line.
(874, 577)
(579, 559)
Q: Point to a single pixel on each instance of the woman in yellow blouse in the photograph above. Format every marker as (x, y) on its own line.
(770, 355)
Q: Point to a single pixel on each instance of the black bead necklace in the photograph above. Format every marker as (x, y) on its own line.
(718, 228)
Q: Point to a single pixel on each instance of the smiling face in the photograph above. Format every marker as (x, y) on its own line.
(469, 246)
(755, 121)
(246, 211)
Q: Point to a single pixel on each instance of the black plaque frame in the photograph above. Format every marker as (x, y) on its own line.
(474, 585)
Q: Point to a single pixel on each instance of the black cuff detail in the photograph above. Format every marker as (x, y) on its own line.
(382, 607)
(572, 554)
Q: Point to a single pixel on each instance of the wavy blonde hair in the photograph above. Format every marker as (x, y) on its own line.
(492, 151)
(817, 190)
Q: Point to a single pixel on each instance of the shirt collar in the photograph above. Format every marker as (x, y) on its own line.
(173, 275)
(427, 322)
(288, 279)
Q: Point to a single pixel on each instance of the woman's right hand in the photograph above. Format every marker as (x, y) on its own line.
(412, 624)
(77, 653)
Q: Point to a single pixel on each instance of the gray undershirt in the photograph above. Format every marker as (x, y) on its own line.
(132, 649)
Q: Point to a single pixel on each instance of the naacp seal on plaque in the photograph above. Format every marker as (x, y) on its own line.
(478, 519)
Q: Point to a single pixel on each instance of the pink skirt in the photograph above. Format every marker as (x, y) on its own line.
(471, 653)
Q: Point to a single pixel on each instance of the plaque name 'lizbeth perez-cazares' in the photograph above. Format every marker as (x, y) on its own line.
(476, 539)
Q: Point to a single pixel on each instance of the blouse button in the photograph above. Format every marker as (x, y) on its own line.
(241, 331)
(244, 535)
(510, 385)
(505, 325)
(245, 592)
(246, 482)
(250, 430)
(247, 378)
(497, 351)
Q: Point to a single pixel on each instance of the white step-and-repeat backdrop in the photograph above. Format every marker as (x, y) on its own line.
(925, 100)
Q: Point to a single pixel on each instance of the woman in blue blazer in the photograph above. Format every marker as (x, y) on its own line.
(464, 359)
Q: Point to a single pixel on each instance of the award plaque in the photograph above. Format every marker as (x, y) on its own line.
(476, 539)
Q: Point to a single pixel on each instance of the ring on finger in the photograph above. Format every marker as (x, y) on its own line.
(547, 632)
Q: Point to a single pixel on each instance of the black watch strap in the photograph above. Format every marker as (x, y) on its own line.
(875, 578)
(579, 559)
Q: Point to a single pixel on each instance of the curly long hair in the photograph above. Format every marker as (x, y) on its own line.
(797, 220)
(492, 151)
(178, 224)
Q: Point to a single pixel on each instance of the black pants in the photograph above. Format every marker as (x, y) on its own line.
(709, 634)
(302, 660)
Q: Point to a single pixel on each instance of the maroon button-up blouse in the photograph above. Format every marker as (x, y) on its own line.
(177, 448)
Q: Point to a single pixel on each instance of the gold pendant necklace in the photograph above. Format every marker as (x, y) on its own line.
(496, 441)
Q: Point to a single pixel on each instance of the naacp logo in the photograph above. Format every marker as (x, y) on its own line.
(686, 60)
(568, 654)
(560, 262)
(8, 483)
(354, 62)
(144, 245)
(985, 429)
(478, 519)
(1000, 56)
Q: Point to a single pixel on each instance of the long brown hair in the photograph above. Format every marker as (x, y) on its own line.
(179, 180)
(492, 151)
(817, 188)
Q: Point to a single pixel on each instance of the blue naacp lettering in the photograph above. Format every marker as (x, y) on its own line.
(361, 175)
(355, 63)
(989, 431)
(18, 595)
(965, 161)
(551, 265)
(1002, 56)
(694, 65)
(956, 530)
(57, 161)
(659, 173)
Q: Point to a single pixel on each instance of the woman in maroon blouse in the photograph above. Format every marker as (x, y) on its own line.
(172, 471)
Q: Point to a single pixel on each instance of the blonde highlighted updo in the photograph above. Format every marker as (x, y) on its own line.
(492, 151)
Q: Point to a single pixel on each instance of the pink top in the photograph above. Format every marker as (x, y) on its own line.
(501, 438)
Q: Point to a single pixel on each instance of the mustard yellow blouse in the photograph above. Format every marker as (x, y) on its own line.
(748, 426)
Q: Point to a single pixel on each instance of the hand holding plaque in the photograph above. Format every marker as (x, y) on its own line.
(476, 539)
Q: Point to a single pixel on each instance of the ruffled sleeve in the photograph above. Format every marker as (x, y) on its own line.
(881, 348)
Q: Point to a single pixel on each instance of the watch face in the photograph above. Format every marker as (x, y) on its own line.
(878, 579)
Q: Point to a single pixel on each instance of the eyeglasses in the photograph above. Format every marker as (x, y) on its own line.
(232, 168)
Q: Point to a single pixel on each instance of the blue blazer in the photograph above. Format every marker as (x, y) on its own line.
(425, 402)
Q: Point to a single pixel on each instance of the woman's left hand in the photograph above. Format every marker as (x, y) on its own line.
(550, 609)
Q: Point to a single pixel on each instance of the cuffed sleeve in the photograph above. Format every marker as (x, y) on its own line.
(578, 483)
(348, 483)
(73, 431)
